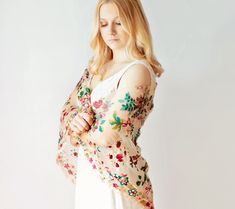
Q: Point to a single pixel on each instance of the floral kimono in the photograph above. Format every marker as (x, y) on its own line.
(111, 144)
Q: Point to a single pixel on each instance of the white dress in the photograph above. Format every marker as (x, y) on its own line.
(91, 192)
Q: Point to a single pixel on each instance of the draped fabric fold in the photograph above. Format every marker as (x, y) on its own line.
(119, 116)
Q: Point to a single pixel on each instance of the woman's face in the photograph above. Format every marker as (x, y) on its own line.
(110, 27)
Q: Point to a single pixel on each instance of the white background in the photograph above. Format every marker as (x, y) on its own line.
(188, 139)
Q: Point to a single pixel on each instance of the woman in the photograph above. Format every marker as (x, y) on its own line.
(101, 121)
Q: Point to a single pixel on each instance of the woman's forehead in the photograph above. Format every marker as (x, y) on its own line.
(105, 18)
(108, 12)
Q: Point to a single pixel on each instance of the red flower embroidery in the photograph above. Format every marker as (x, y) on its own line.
(119, 157)
(118, 144)
(148, 204)
(127, 123)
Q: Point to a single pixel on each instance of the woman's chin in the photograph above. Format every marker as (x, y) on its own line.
(115, 46)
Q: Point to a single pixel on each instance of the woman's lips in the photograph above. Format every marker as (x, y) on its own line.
(113, 39)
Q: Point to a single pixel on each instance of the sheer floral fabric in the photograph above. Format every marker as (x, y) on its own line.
(111, 145)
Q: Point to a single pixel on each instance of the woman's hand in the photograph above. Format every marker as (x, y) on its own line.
(82, 122)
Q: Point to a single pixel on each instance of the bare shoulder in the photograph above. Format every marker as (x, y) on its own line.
(137, 74)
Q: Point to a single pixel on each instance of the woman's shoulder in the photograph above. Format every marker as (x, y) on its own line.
(137, 74)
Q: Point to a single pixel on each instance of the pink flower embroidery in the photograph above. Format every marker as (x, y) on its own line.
(70, 172)
(105, 106)
(97, 104)
(115, 185)
(66, 165)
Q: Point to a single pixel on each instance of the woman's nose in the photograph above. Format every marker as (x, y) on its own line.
(112, 30)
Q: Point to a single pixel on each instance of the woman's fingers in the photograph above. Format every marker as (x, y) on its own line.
(89, 118)
(84, 123)
(81, 123)
(76, 126)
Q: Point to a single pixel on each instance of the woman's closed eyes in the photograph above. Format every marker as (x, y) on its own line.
(103, 25)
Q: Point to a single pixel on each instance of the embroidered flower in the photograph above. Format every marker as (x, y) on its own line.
(105, 106)
(123, 179)
(127, 120)
(118, 144)
(119, 157)
(132, 192)
(115, 185)
(66, 165)
(70, 172)
(98, 103)
(134, 160)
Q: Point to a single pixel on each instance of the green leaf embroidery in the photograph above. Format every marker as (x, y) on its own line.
(129, 103)
(87, 90)
(102, 122)
(100, 129)
(117, 122)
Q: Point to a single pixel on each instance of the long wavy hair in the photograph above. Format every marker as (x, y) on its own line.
(139, 45)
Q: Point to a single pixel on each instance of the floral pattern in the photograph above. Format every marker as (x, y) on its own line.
(121, 163)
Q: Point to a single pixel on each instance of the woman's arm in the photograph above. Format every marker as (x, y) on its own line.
(78, 102)
(127, 107)
(73, 104)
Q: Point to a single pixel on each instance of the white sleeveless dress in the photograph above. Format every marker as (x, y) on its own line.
(91, 192)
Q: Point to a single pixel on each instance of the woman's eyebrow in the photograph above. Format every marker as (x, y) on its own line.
(105, 19)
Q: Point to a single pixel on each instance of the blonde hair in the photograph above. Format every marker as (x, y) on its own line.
(139, 45)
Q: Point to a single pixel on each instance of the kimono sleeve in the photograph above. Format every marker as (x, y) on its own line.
(74, 102)
(77, 102)
(129, 107)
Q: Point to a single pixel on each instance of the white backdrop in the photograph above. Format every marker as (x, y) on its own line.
(188, 139)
